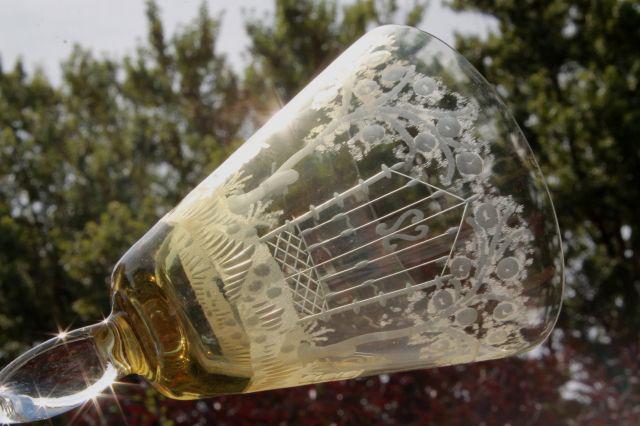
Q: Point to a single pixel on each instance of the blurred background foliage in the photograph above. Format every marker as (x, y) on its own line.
(87, 165)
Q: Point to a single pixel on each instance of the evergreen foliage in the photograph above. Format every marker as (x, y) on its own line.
(88, 165)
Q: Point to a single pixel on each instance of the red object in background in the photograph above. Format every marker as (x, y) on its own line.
(515, 391)
(512, 391)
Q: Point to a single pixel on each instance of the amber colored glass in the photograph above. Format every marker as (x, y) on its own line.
(390, 217)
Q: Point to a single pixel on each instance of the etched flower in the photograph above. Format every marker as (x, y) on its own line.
(366, 90)
(373, 133)
(497, 336)
(325, 97)
(393, 74)
(376, 58)
(440, 344)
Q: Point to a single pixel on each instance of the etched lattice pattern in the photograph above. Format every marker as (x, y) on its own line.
(389, 254)
(290, 251)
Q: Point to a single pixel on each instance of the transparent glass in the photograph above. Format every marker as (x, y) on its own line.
(390, 217)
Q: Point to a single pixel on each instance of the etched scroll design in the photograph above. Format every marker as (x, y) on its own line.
(309, 283)
(391, 232)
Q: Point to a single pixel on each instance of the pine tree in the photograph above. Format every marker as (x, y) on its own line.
(87, 166)
(569, 70)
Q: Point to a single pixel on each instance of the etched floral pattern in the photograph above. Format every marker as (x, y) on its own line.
(318, 289)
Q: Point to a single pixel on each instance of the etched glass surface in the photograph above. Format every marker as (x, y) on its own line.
(390, 217)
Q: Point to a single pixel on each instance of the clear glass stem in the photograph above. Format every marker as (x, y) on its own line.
(61, 373)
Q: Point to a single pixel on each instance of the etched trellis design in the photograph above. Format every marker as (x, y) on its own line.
(337, 260)
(442, 270)
(388, 102)
(290, 251)
(311, 284)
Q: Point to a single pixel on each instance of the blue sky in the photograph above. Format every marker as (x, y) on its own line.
(43, 32)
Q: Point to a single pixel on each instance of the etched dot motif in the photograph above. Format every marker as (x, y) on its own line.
(467, 316)
(274, 292)
(255, 286)
(425, 142)
(442, 299)
(469, 163)
(365, 88)
(393, 74)
(487, 215)
(425, 86)
(460, 267)
(373, 133)
(508, 268)
(503, 311)
(262, 270)
(448, 127)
